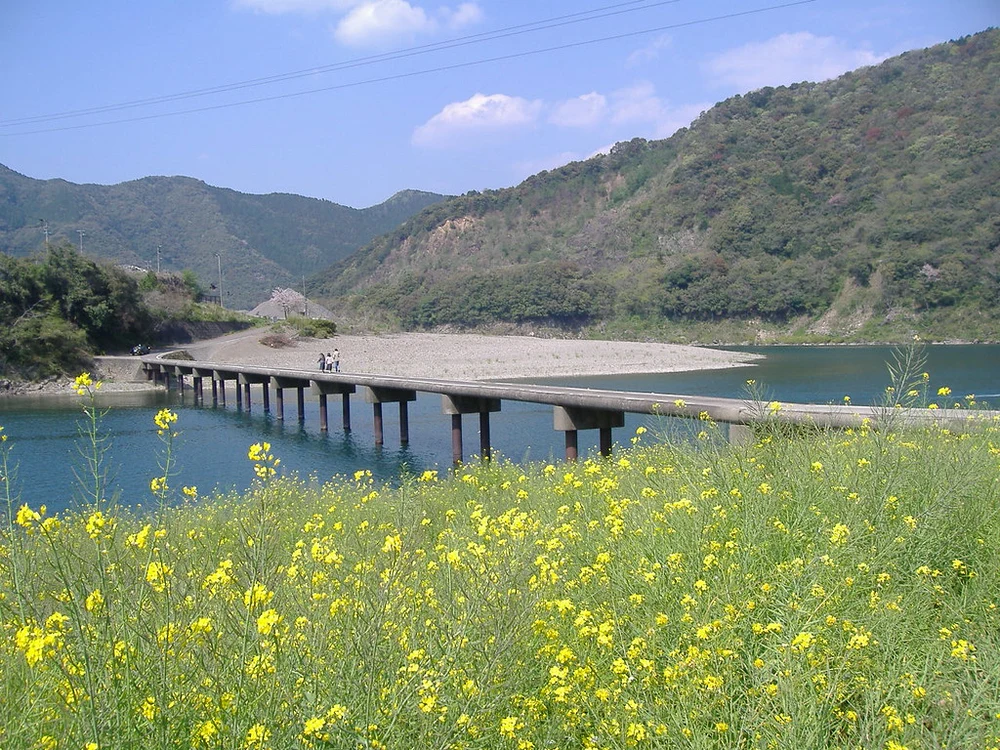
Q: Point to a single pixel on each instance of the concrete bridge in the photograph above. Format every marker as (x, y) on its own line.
(574, 409)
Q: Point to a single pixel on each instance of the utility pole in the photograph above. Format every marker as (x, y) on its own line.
(158, 260)
(81, 233)
(222, 302)
(45, 229)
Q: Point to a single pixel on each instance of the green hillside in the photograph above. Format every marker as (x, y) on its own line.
(866, 207)
(264, 241)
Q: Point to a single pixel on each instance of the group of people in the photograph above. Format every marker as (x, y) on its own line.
(329, 362)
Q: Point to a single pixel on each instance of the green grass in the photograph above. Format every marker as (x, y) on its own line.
(828, 590)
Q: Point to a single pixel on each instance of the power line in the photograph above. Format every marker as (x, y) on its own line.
(425, 71)
(486, 36)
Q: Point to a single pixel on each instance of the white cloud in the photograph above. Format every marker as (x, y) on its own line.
(464, 15)
(375, 23)
(581, 112)
(477, 115)
(673, 119)
(638, 103)
(650, 52)
(380, 21)
(296, 6)
(788, 58)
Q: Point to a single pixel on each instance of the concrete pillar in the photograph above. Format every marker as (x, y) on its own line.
(324, 388)
(377, 396)
(605, 441)
(404, 424)
(572, 445)
(456, 438)
(485, 447)
(459, 405)
(301, 402)
(571, 419)
(322, 413)
(377, 422)
(279, 402)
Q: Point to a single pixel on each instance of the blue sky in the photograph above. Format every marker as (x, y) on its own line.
(353, 100)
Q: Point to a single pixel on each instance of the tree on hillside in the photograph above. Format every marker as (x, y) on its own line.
(56, 312)
(288, 300)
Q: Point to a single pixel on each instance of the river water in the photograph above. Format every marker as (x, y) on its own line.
(211, 450)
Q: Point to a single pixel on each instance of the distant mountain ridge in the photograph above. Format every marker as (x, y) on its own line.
(856, 207)
(265, 241)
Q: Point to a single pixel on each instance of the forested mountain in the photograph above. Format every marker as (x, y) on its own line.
(866, 206)
(264, 241)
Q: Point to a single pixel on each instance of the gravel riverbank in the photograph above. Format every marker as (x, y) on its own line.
(427, 355)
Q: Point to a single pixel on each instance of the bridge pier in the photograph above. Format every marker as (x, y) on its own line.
(248, 379)
(323, 389)
(280, 383)
(571, 419)
(456, 406)
(199, 374)
(376, 396)
(222, 376)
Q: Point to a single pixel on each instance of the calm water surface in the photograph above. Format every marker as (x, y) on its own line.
(211, 450)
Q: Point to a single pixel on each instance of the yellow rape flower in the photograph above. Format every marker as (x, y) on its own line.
(148, 709)
(268, 620)
(84, 384)
(94, 601)
(839, 534)
(256, 736)
(509, 726)
(157, 574)
(393, 544)
(802, 641)
(257, 595)
(163, 419)
(313, 726)
(96, 522)
(26, 516)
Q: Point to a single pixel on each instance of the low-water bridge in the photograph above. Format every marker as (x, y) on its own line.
(574, 409)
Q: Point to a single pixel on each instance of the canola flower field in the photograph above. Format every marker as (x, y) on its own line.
(808, 590)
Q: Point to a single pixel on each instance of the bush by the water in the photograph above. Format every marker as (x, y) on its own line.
(813, 591)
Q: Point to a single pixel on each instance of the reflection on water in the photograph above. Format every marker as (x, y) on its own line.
(211, 451)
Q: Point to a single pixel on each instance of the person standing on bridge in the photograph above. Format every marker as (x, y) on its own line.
(322, 362)
(336, 360)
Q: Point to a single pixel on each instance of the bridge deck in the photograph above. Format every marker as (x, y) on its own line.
(575, 408)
